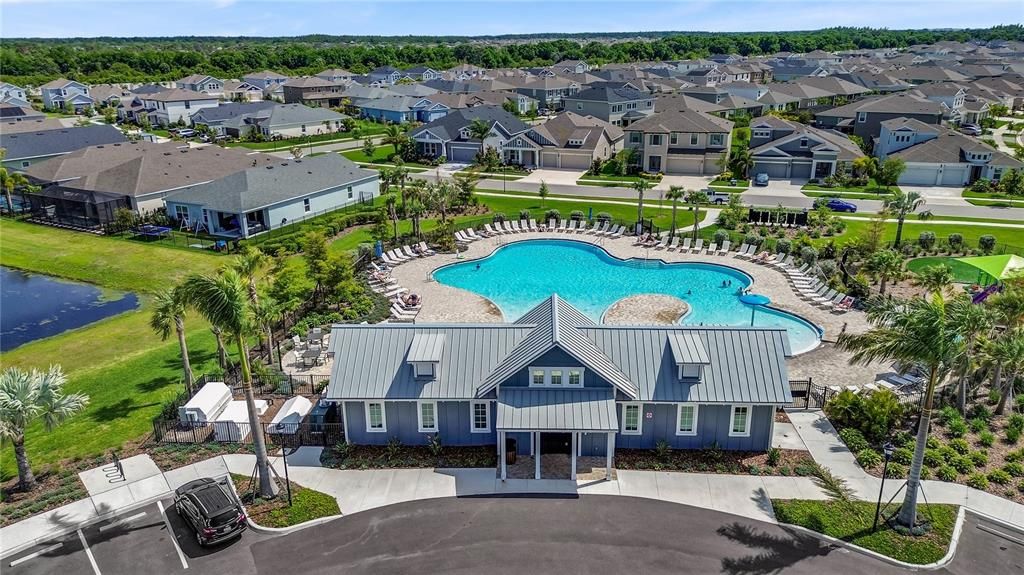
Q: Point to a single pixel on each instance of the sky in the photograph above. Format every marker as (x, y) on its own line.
(83, 18)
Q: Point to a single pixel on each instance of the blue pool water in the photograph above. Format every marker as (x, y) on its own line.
(518, 276)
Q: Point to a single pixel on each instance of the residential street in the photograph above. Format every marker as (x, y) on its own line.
(517, 534)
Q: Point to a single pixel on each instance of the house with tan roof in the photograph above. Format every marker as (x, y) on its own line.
(567, 141)
(680, 142)
(785, 149)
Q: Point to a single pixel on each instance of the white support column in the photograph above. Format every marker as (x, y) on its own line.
(501, 453)
(536, 456)
(575, 442)
(609, 456)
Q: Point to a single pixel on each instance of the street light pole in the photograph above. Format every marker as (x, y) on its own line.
(887, 450)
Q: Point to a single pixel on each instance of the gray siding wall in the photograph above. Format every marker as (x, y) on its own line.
(712, 426)
(872, 126)
(453, 424)
(554, 358)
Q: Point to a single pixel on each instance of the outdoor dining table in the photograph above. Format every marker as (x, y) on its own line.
(311, 354)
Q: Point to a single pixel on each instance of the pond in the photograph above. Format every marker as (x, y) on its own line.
(34, 306)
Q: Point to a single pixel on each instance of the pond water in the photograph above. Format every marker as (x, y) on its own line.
(34, 306)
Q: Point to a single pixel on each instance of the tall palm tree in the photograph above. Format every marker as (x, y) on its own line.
(921, 332)
(1008, 308)
(26, 397)
(696, 199)
(416, 194)
(223, 300)
(250, 265)
(395, 136)
(886, 265)
(222, 353)
(1006, 354)
(934, 279)
(674, 193)
(400, 175)
(478, 130)
(10, 181)
(266, 313)
(641, 185)
(901, 204)
(391, 202)
(973, 324)
(169, 314)
(742, 162)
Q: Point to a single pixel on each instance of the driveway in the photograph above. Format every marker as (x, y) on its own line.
(687, 182)
(939, 195)
(551, 176)
(777, 188)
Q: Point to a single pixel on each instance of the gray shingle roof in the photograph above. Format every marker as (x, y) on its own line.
(51, 142)
(228, 110)
(448, 127)
(556, 410)
(685, 121)
(610, 94)
(272, 184)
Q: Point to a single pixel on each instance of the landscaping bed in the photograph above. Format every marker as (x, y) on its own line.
(398, 456)
(173, 455)
(773, 462)
(851, 521)
(307, 505)
(55, 486)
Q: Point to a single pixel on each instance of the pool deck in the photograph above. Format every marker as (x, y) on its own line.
(447, 304)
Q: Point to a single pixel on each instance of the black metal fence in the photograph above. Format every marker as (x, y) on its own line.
(278, 383)
(809, 395)
(277, 435)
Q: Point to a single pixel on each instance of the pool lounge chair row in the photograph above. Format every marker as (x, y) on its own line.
(567, 226)
(406, 253)
(683, 245)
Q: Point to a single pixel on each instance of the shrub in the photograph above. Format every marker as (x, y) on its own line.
(783, 245)
(1020, 487)
(946, 473)
(1015, 421)
(524, 214)
(721, 236)
(978, 425)
(1012, 435)
(948, 453)
(986, 438)
(955, 241)
(987, 243)
(957, 428)
(960, 446)
(1014, 468)
(933, 442)
(963, 464)
(1015, 456)
(896, 471)
(753, 239)
(948, 414)
(926, 240)
(603, 217)
(881, 412)
(552, 215)
(854, 440)
(926, 473)
(394, 447)
(979, 458)
(905, 438)
(993, 397)
(978, 481)
(868, 458)
(932, 458)
(662, 449)
(577, 215)
(903, 455)
(774, 456)
(434, 445)
(980, 411)
(845, 410)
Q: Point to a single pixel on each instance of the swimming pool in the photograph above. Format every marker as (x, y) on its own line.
(518, 276)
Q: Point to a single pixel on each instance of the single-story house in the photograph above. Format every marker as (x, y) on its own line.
(567, 141)
(27, 148)
(449, 136)
(786, 149)
(554, 382)
(269, 196)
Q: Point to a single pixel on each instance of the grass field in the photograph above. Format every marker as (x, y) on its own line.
(852, 523)
(845, 195)
(871, 189)
(381, 155)
(119, 362)
(365, 129)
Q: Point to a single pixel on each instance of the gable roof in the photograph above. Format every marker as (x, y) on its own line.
(178, 95)
(900, 103)
(426, 347)
(610, 94)
(61, 141)
(685, 121)
(571, 126)
(448, 127)
(282, 114)
(265, 75)
(949, 147)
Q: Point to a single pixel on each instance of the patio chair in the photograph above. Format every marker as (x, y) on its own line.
(583, 227)
(712, 248)
(697, 247)
(686, 245)
(471, 233)
(397, 256)
(785, 263)
(673, 244)
(663, 243)
(606, 229)
(572, 226)
(798, 272)
(552, 224)
(515, 226)
(845, 305)
(490, 231)
(507, 226)
(743, 252)
(533, 225)
(824, 300)
(408, 251)
(618, 232)
(425, 250)
(724, 248)
(564, 227)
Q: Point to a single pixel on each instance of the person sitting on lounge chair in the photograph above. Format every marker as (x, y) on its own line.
(411, 300)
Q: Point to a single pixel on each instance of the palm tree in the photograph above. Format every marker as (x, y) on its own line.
(934, 279)
(674, 193)
(886, 265)
(266, 313)
(400, 175)
(742, 162)
(439, 196)
(392, 206)
(249, 264)
(641, 185)
(901, 204)
(222, 353)
(974, 323)
(920, 332)
(1006, 355)
(395, 136)
(169, 314)
(10, 181)
(223, 300)
(416, 194)
(695, 199)
(478, 130)
(1008, 308)
(28, 396)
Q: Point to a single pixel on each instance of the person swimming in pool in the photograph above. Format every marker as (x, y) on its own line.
(478, 265)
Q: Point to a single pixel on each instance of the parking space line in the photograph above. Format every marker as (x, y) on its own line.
(1006, 536)
(122, 522)
(170, 531)
(88, 552)
(31, 556)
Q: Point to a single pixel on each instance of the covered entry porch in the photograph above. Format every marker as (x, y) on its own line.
(555, 424)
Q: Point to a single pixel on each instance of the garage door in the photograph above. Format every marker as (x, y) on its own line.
(683, 166)
(462, 154)
(549, 160)
(773, 170)
(800, 171)
(918, 176)
(954, 176)
(575, 162)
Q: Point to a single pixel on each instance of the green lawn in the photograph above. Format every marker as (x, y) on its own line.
(365, 128)
(1004, 236)
(602, 184)
(872, 189)
(381, 155)
(119, 362)
(726, 185)
(853, 524)
(845, 195)
(306, 505)
(961, 271)
(993, 200)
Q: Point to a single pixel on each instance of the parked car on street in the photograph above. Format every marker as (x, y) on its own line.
(761, 179)
(971, 129)
(210, 509)
(716, 197)
(836, 205)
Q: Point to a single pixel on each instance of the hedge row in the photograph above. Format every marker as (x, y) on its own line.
(330, 225)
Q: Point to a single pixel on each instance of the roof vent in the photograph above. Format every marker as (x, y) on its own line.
(270, 167)
(100, 146)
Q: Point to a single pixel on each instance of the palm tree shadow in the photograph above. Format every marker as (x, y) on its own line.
(779, 550)
(119, 410)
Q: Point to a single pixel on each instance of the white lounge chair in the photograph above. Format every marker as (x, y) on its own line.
(471, 233)
(686, 244)
(515, 226)
(564, 227)
(491, 231)
(395, 254)
(673, 244)
(712, 248)
(742, 252)
(507, 227)
(533, 225)
(663, 243)
(572, 226)
(408, 251)
(583, 228)
(618, 232)
(724, 249)
(425, 250)
(697, 247)
(785, 263)
(552, 225)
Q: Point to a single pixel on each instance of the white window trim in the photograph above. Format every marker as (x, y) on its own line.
(547, 376)
(862, 117)
(383, 417)
(639, 419)
(419, 417)
(472, 416)
(679, 412)
(732, 419)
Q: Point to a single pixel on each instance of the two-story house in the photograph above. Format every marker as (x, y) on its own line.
(314, 91)
(549, 91)
(680, 142)
(864, 118)
(269, 81)
(568, 141)
(171, 106)
(67, 95)
(13, 95)
(386, 75)
(202, 83)
(785, 149)
(450, 136)
(615, 103)
(554, 383)
(336, 75)
(422, 73)
(937, 156)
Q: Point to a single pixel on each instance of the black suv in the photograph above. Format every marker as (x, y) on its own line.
(211, 509)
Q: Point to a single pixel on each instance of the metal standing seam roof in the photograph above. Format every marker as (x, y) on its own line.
(524, 409)
(426, 347)
(688, 348)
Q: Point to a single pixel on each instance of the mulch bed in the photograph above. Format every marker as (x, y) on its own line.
(781, 416)
(169, 456)
(388, 457)
(55, 486)
(791, 461)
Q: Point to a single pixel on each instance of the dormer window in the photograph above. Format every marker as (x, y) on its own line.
(690, 354)
(557, 377)
(803, 142)
(761, 133)
(425, 354)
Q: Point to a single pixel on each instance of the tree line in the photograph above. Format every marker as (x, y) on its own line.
(99, 60)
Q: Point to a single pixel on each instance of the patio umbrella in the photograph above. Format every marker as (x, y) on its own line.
(999, 267)
(754, 301)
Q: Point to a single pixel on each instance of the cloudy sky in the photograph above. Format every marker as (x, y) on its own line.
(73, 18)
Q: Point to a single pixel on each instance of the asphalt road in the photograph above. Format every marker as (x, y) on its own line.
(527, 535)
